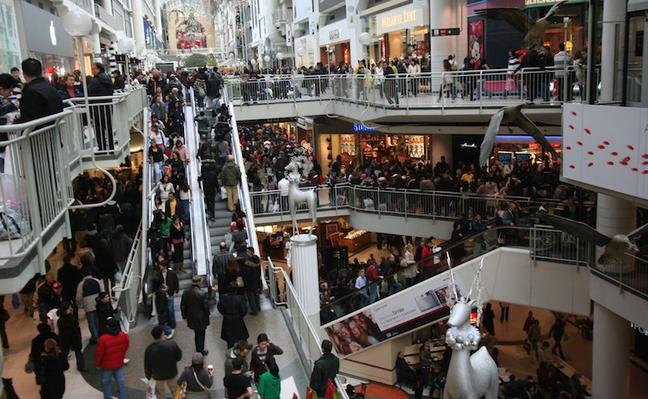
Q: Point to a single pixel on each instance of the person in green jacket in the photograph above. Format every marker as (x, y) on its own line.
(270, 383)
(165, 225)
(231, 177)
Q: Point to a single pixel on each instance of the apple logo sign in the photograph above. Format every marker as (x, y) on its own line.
(52, 32)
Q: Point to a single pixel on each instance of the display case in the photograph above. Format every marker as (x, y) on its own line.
(348, 144)
(355, 240)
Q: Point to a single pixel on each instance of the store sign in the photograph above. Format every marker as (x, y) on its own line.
(54, 42)
(468, 145)
(445, 32)
(639, 329)
(334, 35)
(362, 128)
(401, 18)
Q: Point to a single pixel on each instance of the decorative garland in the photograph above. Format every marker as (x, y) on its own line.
(468, 338)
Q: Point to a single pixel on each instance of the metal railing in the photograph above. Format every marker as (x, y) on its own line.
(127, 291)
(461, 251)
(199, 226)
(391, 201)
(493, 87)
(35, 184)
(303, 331)
(112, 118)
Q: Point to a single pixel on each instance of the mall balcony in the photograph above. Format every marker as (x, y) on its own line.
(41, 160)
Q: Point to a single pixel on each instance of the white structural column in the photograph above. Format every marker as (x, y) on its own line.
(96, 43)
(303, 260)
(610, 349)
(611, 58)
(138, 27)
(614, 216)
(447, 14)
(158, 17)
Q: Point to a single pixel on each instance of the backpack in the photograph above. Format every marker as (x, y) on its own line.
(90, 287)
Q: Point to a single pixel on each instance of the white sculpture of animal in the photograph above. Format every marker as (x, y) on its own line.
(297, 196)
(469, 376)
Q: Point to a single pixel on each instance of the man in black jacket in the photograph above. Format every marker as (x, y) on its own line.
(39, 99)
(214, 84)
(69, 276)
(195, 310)
(101, 110)
(169, 278)
(160, 362)
(325, 368)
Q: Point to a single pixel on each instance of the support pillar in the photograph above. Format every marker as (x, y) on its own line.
(612, 50)
(610, 351)
(303, 260)
(614, 216)
(447, 14)
(138, 27)
(158, 18)
(96, 43)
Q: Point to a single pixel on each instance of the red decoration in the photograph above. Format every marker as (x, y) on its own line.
(614, 153)
(571, 127)
(645, 172)
(590, 152)
(572, 166)
(568, 147)
(631, 148)
(610, 163)
(601, 147)
(645, 156)
(573, 113)
(579, 142)
(635, 169)
(588, 131)
(606, 142)
(589, 165)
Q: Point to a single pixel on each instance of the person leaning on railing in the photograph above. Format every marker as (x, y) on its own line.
(39, 99)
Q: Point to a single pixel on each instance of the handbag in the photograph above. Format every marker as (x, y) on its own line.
(310, 393)
(181, 391)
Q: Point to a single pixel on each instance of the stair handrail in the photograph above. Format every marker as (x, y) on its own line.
(127, 292)
(300, 318)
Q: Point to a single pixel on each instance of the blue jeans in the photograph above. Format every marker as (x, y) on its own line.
(171, 306)
(184, 206)
(93, 325)
(106, 378)
(157, 172)
(374, 293)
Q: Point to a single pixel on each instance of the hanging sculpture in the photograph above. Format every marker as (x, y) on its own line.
(296, 196)
(512, 116)
(469, 376)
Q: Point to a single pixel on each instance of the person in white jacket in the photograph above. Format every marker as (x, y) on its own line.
(379, 80)
(414, 71)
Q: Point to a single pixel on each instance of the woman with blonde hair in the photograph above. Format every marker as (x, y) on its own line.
(53, 364)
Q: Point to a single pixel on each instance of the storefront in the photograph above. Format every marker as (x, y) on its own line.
(402, 32)
(9, 44)
(335, 43)
(522, 148)
(51, 45)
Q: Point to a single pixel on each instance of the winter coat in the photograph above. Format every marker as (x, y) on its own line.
(233, 307)
(51, 376)
(69, 333)
(269, 386)
(111, 350)
(38, 99)
(324, 369)
(100, 86)
(194, 308)
(231, 174)
(160, 360)
(257, 365)
(86, 298)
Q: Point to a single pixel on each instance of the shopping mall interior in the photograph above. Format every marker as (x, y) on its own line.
(323, 199)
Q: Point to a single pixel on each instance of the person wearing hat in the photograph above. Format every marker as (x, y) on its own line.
(198, 380)
(195, 310)
(110, 356)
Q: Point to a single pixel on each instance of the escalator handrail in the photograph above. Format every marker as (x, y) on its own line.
(444, 249)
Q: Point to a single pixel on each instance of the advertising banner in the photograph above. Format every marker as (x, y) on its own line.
(607, 147)
(399, 314)
(476, 40)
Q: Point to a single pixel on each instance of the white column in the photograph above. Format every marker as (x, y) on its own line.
(157, 4)
(138, 27)
(107, 4)
(614, 216)
(446, 14)
(610, 352)
(303, 260)
(611, 59)
(96, 43)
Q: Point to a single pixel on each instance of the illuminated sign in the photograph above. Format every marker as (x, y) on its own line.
(445, 32)
(361, 128)
(401, 18)
(640, 329)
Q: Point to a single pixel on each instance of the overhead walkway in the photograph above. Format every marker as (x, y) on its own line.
(368, 99)
(41, 159)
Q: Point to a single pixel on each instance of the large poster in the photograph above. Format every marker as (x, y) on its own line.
(476, 40)
(399, 314)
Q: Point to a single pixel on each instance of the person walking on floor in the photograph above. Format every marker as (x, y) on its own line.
(557, 332)
(38, 347)
(87, 293)
(230, 175)
(70, 334)
(195, 310)
(233, 307)
(263, 356)
(51, 375)
(169, 278)
(237, 384)
(325, 369)
(198, 380)
(240, 351)
(504, 312)
(109, 358)
(160, 362)
(269, 385)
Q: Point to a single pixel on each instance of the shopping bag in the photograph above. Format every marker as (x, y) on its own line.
(331, 391)
(310, 393)
(150, 388)
(180, 392)
(223, 193)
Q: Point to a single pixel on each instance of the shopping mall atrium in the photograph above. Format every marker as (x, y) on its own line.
(323, 199)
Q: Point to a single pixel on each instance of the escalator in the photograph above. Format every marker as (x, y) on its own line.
(513, 272)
